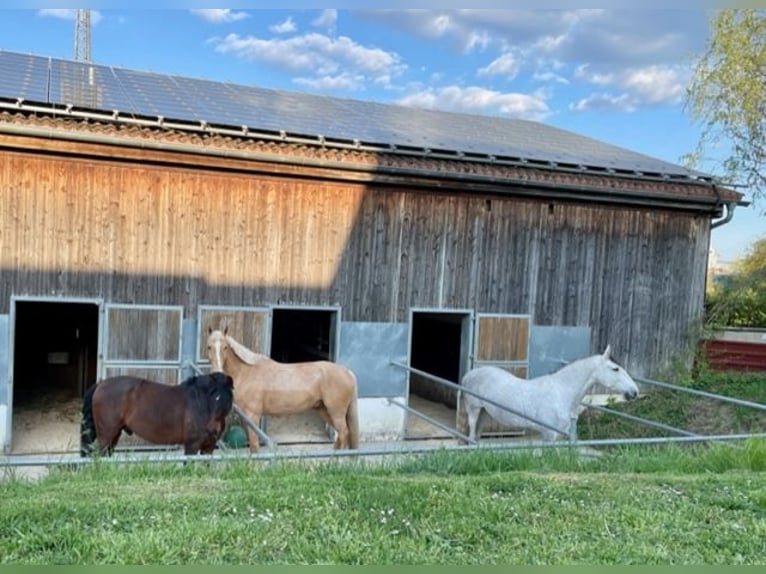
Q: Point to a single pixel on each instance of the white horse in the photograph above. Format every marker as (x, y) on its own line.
(550, 399)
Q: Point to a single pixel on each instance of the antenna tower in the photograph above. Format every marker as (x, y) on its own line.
(82, 36)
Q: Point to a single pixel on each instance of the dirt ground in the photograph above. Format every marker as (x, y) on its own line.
(419, 428)
(49, 423)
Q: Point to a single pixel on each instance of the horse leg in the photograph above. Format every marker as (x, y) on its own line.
(473, 415)
(108, 440)
(107, 448)
(253, 439)
(341, 430)
(329, 429)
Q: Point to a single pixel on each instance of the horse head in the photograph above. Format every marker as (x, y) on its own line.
(217, 347)
(614, 377)
(221, 394)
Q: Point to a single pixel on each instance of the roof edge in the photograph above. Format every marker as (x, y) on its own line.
(430, 171)
(117, 117)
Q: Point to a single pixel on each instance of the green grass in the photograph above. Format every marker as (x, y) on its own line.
(634, 505)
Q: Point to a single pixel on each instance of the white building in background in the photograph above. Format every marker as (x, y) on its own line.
(717, 269)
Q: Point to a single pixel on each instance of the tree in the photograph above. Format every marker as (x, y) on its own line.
(740, 301)
(726, 94)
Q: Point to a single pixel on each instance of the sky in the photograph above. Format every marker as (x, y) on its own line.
(618, 76)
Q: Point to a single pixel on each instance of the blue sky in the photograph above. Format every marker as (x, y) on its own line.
(614, 75)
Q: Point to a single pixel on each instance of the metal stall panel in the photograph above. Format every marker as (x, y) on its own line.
(251, 326)
(503, 341)
(144, 341)
(552, 347)
(368, 349)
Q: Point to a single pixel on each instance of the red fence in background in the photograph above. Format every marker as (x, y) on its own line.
(724, 355)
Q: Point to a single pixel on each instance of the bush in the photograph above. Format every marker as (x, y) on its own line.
(740, 300)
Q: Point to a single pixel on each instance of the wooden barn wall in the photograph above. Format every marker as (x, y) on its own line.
(134, 233)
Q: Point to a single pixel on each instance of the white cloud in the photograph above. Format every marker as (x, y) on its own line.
(548, 77)
(63, 13)
(339, 82)
(284, 27)
(220, 15)
(316, 53)
(628, 59)
(505, 65)
(605, 102)
(480, 40)
(586, 73)
(655, 84)
(650, 85)
(326, 19)
(439, 25)
(474, 99)
(550, 44)
(519, 28)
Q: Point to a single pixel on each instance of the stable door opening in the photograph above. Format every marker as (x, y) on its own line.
(439, 346)
(55, 358)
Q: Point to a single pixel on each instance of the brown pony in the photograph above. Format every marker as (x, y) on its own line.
(192, 413)
(263, 386)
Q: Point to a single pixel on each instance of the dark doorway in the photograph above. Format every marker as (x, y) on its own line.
(55, 358)
(439, 346)
(299, 335)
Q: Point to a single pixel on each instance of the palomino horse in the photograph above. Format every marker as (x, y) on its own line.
(192, 413)
(550, 399)
(263, 386)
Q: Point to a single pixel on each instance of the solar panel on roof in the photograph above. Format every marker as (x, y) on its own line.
(158, 95)
(210, 100)
(150, 94)
(87, 86)
(23, 76)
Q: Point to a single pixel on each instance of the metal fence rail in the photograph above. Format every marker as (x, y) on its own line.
(723, 398)
(641, 420)
(403, 449)
(407, 447)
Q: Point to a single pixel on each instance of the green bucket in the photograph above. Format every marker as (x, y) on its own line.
(235, 437)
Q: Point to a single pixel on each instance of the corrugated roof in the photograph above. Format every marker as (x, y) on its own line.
(27, 77)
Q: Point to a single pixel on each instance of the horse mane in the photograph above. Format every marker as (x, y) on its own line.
(245, 355)
(589, 359)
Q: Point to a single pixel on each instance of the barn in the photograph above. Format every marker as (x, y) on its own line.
(138, 209)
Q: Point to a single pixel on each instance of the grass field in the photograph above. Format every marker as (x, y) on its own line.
(649, 505)
(670, 504)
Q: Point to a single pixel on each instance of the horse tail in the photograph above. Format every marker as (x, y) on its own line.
(352, 418)
(87, 424)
